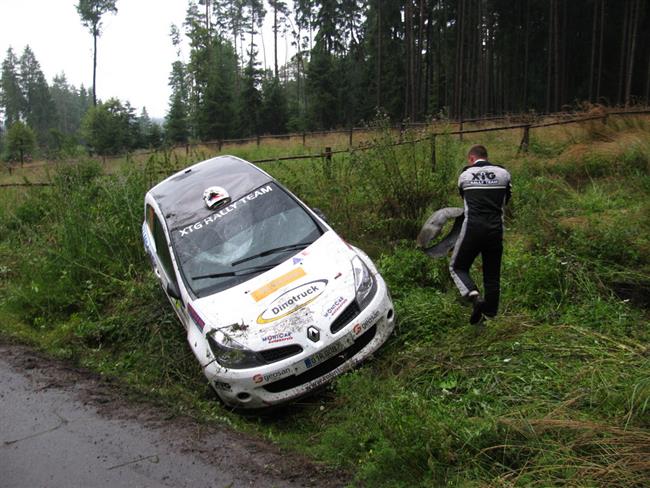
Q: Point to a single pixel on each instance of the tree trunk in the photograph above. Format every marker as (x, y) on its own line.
(593, 51)
(526, 51)
(408, 20)
(207, 17)
(549, 58)
(636, 13)
(600, 49)
(647, 84)
(556, 46)
(95, 67)
(275, 38)
(460, 57)
(379, 35)
(621, 67)
(418, 64)
(428, 79)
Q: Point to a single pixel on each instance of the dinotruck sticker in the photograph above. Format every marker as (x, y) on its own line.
(292, 300)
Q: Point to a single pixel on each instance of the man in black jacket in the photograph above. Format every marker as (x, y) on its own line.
(485, 189)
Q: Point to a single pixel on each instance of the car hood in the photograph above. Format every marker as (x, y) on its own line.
(275, 308)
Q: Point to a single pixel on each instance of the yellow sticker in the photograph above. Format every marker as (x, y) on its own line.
(278, 283)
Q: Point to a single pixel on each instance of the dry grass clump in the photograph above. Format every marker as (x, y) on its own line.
(584, 453)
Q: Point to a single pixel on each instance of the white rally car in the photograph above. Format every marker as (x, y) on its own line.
(275, 304)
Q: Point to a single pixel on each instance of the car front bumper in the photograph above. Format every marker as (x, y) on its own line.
(296, 376)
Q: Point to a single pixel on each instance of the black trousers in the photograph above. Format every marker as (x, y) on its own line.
(489, 244)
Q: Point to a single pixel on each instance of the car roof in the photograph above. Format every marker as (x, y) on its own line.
(180, 197)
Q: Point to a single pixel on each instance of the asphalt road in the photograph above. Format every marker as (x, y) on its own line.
(62, 427)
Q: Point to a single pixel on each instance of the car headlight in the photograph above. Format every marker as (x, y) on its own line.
(364, 282)
(233, 355)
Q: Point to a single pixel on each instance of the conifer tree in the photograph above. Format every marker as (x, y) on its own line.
(21, 141)
(39, 110)
(91, 12)
(12, 100)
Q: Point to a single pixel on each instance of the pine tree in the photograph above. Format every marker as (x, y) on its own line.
(21, 141)
(216, 113)
(108, 128)
(12, 100)
(273, 112)
(250, 103)
(91, 12)
(39, 109)
(176, 122)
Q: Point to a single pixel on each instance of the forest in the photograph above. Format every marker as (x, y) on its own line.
(353, 59)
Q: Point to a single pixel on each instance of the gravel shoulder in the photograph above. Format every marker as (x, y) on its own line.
(64, 426)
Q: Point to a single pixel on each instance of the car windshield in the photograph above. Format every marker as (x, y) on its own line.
(242, 239)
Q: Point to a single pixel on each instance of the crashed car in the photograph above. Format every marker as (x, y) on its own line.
(274, 303)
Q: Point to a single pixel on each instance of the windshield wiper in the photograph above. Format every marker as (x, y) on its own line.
(240, 272)
(292, 247)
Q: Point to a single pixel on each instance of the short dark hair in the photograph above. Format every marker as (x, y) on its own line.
(478, 151)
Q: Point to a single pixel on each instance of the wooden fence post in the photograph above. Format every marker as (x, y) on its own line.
(303, 138)
(258, 140)
(433, 152)
(351, 132)
(523, 146)
(328, 162)
(328, 154)
(605, 119)
(460, 128)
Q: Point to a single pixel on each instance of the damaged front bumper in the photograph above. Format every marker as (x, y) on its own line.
(299, 375)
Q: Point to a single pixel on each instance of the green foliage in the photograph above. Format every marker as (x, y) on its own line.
(273, 112)
(250, 102)
(552, 392)
(21, 142)
(12, 99)
(87, 247)
(109, 128)
(39, 109)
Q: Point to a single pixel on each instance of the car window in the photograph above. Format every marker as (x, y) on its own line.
(162, 247)
(243, 238)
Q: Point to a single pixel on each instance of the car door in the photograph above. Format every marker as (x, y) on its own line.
(163, 265)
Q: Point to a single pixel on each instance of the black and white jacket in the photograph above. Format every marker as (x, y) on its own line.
(485, 188)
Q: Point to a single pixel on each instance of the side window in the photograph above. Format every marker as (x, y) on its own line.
(151, 217)
(162, 247)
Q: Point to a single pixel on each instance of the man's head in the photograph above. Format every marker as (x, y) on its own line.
(475, 153)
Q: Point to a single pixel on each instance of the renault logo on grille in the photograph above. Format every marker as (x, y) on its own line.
(313, 334)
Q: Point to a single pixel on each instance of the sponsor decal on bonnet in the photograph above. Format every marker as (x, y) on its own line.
(292, 300)
(276, 284)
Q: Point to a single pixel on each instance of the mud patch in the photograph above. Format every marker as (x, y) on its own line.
(262, 463)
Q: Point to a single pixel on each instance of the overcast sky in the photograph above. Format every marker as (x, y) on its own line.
(134, 52)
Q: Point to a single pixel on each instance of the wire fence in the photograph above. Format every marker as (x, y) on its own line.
(530, 122)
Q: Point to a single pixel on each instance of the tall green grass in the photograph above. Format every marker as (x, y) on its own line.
(554, 391)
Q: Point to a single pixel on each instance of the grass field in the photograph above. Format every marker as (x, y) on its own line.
(554, 391)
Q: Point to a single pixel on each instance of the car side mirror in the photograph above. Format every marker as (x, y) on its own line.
(172, 290)
(320, 213)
